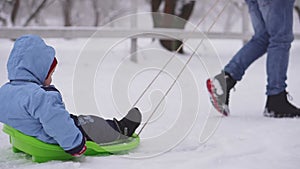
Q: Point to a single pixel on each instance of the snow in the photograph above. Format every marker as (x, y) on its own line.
(97, 77)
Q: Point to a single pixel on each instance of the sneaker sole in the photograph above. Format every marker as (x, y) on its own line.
(278, 115)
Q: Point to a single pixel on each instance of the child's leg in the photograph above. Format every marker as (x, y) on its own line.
(96, 128)
(99, 130)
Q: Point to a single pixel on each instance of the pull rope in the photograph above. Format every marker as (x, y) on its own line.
(183, 68)
(172, 57)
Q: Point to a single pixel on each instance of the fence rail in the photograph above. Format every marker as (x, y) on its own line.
(133, 33)
(86, 32)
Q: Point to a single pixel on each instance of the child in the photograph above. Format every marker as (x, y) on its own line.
(31, 105)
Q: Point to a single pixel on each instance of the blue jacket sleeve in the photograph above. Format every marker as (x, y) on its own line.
(49, 109)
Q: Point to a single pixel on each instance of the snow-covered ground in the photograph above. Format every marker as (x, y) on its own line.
(186, 132)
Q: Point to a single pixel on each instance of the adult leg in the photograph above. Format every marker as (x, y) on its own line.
(155, 5)
(187, 10)
(297, 8)
(254, 49)
(278, 16)
(219, 87)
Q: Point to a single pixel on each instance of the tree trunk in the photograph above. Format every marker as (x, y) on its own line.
(35, 13)
(14, 12)
(67, 8)
(96, 12)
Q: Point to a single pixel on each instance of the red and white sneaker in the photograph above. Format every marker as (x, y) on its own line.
(219, 89)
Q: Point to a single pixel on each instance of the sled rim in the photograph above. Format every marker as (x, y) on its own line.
(43, 152)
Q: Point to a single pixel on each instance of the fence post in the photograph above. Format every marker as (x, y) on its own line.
(133, 48)
(245, 22)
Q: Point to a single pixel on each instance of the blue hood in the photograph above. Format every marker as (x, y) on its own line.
(30, 59)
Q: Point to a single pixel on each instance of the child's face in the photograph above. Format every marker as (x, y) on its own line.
(48, 81)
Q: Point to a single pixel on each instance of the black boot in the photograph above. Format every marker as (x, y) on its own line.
(219, 89)
(172, 45)
(278, 106)
(129, 123)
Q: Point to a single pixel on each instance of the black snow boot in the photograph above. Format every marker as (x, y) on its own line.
(278, 106)
(127, 125)
(219, 89)
(172, 45)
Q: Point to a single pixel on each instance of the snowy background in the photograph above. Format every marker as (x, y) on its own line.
(185, 132)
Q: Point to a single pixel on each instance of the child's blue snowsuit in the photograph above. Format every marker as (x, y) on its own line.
(27, 107)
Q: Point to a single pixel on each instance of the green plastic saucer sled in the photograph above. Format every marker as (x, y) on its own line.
(43, 152)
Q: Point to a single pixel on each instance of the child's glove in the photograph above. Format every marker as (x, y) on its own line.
(80, 153)
(79, 150)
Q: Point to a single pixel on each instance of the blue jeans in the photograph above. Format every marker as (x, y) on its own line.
(273, 26)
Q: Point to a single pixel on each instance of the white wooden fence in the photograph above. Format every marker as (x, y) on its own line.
(134, 33)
